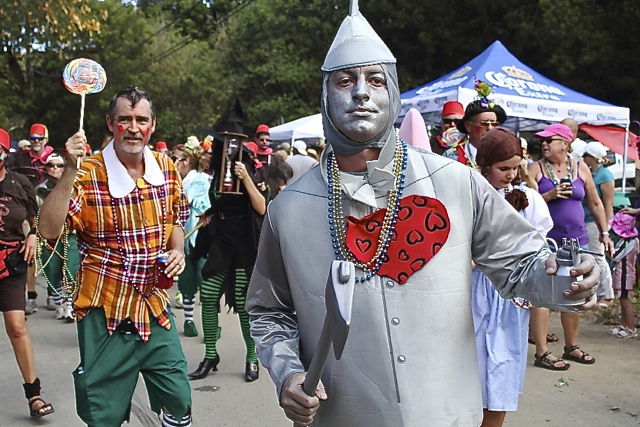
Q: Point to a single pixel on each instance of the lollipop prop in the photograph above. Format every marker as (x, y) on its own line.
(83, 76)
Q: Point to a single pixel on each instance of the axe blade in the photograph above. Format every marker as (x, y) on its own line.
(339, 301)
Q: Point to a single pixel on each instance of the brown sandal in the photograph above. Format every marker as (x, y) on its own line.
(32, 393)
(544, 362)
(582, 359)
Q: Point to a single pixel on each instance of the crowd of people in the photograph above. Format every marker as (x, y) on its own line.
(455, 239)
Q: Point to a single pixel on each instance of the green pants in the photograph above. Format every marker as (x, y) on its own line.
(109, 367)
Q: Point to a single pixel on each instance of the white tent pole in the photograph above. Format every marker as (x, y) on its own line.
(624, 157)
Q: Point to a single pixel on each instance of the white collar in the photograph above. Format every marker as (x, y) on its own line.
(119, 181)
(186, 182)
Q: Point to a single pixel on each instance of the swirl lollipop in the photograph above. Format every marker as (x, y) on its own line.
(83, 76)
(452, 138)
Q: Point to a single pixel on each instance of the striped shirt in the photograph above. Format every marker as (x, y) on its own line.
(139, 233)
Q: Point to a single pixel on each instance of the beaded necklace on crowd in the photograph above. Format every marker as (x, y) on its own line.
(470, 160)
(69, 285)
(336, 215)
(552, 175)
(126, 260)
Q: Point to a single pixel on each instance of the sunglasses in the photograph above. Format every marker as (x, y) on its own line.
(488, 123)
(450, 121)
(178, 159)
(550, 140)
(36, 138)
(55, 165)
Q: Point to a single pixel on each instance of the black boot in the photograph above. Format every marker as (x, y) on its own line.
(251, 371)
(204, 367)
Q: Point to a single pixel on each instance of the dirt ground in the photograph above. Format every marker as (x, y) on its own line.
(605, 394)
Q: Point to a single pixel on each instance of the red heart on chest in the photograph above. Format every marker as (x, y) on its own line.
(422, 228)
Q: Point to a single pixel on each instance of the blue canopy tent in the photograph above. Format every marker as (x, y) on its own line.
(530, 99)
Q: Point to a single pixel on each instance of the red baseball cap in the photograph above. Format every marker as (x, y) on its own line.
(262, 129)
(452, 107)
(160, 145)
(5, 139)
(39, 129)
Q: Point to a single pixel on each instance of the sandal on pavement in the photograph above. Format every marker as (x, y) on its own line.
(616, 330)
(32, 393)
(582, 359)
(544, 362)
(627, 333)
(40, 411)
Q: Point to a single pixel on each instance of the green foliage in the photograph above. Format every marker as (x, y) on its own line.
(196, 57)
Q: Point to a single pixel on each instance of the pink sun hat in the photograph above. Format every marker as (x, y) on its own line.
(556, 129)
(624, 225)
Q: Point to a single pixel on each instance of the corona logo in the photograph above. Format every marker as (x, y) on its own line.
(460, 72)
(517, 73)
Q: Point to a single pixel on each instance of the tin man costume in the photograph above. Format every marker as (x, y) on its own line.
(410, 358)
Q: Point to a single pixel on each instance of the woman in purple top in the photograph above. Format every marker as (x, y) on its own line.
(563, 183)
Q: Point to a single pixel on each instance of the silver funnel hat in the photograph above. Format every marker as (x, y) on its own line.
(357, 45)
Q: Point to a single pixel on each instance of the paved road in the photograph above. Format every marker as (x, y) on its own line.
(602, 395)
(222, 399)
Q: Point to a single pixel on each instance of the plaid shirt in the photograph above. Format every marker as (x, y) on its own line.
(103, 279)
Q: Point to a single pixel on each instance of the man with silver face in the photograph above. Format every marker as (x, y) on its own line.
(415, 221)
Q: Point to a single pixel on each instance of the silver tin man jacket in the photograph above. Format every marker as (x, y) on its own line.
(410, 358)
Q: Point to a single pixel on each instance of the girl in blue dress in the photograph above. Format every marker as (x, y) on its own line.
(501, 326)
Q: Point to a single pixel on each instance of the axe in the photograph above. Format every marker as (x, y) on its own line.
(338, 299)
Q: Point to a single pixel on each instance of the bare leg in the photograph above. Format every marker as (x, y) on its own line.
(493, 418)
(31, 278)
(627, 316)
(16, 328)
(538, 330)
(570, 326)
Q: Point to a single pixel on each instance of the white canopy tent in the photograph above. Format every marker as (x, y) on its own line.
(305, 127)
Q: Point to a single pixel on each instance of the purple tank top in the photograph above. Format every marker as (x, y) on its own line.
(567, 214)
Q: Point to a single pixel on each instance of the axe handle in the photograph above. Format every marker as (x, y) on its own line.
(319, 359)
(198, 226)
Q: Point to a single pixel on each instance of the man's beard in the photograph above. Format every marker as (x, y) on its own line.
(132, 149)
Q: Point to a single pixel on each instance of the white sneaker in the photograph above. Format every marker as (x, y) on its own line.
(69, 315)
(31, 307)
(51, 303)
(61, 312)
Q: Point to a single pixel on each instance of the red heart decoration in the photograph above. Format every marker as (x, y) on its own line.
(421, 230)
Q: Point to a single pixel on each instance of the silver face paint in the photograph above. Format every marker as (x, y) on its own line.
(359, 102)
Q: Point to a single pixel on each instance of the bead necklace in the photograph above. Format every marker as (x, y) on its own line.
(336, 215)
(552, 176)
(470, 160)
(126, 260)
(69, 285)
